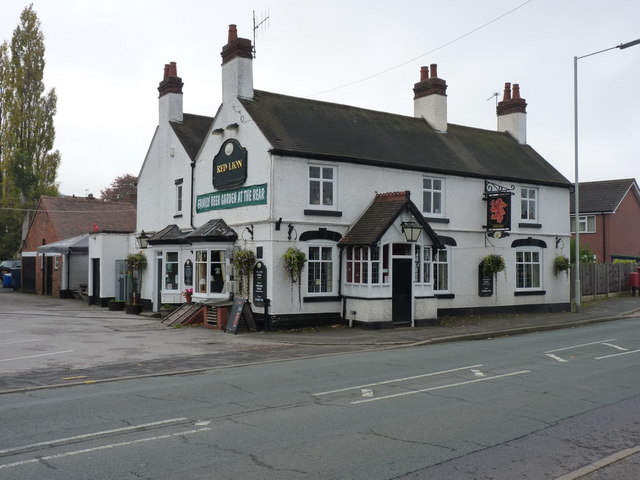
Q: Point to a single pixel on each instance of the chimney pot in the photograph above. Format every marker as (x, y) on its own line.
(434, 70)
(166, 71)
(516, 90)
(233, 33)
(507, 91)
(424, 73)
(173, 69)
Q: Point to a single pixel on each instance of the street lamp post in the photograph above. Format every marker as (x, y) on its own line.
(576, 196)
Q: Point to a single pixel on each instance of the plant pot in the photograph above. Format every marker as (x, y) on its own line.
(115, 306)
(133, 309)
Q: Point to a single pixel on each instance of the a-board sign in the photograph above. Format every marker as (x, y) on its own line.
(485, 283)
(259, 284)
(240, 314)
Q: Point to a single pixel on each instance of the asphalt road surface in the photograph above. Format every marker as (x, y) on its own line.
(548, 405)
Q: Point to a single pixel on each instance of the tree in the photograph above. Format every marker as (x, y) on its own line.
(28, 166)
(122, 189)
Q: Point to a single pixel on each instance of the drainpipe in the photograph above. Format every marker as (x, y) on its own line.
(193, 167)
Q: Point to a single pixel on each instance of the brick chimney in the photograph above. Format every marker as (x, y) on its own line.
(512, 113)
(170, 98)
(430, 98)
(237, 69)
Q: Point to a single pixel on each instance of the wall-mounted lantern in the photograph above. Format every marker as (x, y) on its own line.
(143, 240)
(411, 230)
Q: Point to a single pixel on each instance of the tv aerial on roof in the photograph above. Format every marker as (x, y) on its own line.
(262, 23)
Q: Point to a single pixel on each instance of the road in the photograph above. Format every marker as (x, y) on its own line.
(534, 406)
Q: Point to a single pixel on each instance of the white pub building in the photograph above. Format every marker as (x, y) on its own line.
(394, 214)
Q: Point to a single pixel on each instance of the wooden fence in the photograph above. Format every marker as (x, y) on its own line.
(603, 278)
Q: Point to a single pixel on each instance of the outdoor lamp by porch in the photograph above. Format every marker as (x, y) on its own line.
(142, 240)
(411, 231)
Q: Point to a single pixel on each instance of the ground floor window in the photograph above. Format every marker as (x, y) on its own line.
(210, 271)
(320, 269)
(440, 267)
(422, 264)
(528, 267)
(364, 265)
(171, 275)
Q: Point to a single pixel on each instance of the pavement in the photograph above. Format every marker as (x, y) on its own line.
(47, 342)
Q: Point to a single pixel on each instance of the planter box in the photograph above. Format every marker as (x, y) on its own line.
(133, 309)
(115, 306)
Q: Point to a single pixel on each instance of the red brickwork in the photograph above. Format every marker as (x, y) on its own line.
(617, 233)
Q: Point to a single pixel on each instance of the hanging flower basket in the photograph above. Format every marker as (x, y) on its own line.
(294, 260)
(561, 264)
(492, 264)
(244, 260)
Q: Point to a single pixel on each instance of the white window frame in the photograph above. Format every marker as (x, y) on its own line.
(208, 262)
(332, 285)
(529, 262)
(179, 197)
(584, 222)
(436, 264)
(333, 182)
(532, 205)
(165, 263)
(432, 192)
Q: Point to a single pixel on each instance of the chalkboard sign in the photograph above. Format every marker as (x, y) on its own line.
(485, 283)
(188, 273)
(240, 314)
(259, 284)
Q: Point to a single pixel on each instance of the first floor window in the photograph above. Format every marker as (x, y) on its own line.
(320, 270)
(171, 271)
(432, 190)
(587, 224)
(178, 196)
(321, 185)
(528, 269)
(440, 272)
(528, 204)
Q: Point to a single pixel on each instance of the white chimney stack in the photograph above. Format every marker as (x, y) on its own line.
(512, 113)
(237, 69)
(170, 98)
(430, 98)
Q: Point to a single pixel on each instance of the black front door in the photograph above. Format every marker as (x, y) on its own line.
(95, 282)
(401, 291)
(48, 276)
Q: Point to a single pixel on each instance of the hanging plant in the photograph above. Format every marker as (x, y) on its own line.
(492, 264)
(560, 264)
(136, 264)
(294, 260)
(244, 260)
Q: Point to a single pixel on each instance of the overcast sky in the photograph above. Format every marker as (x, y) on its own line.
(105, 59)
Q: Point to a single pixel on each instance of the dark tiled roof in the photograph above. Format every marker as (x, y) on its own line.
(192, 132)
(215, 230)
(72, 216)
(170, 234)
(380, 215)
(603, 196)
(311, 129)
